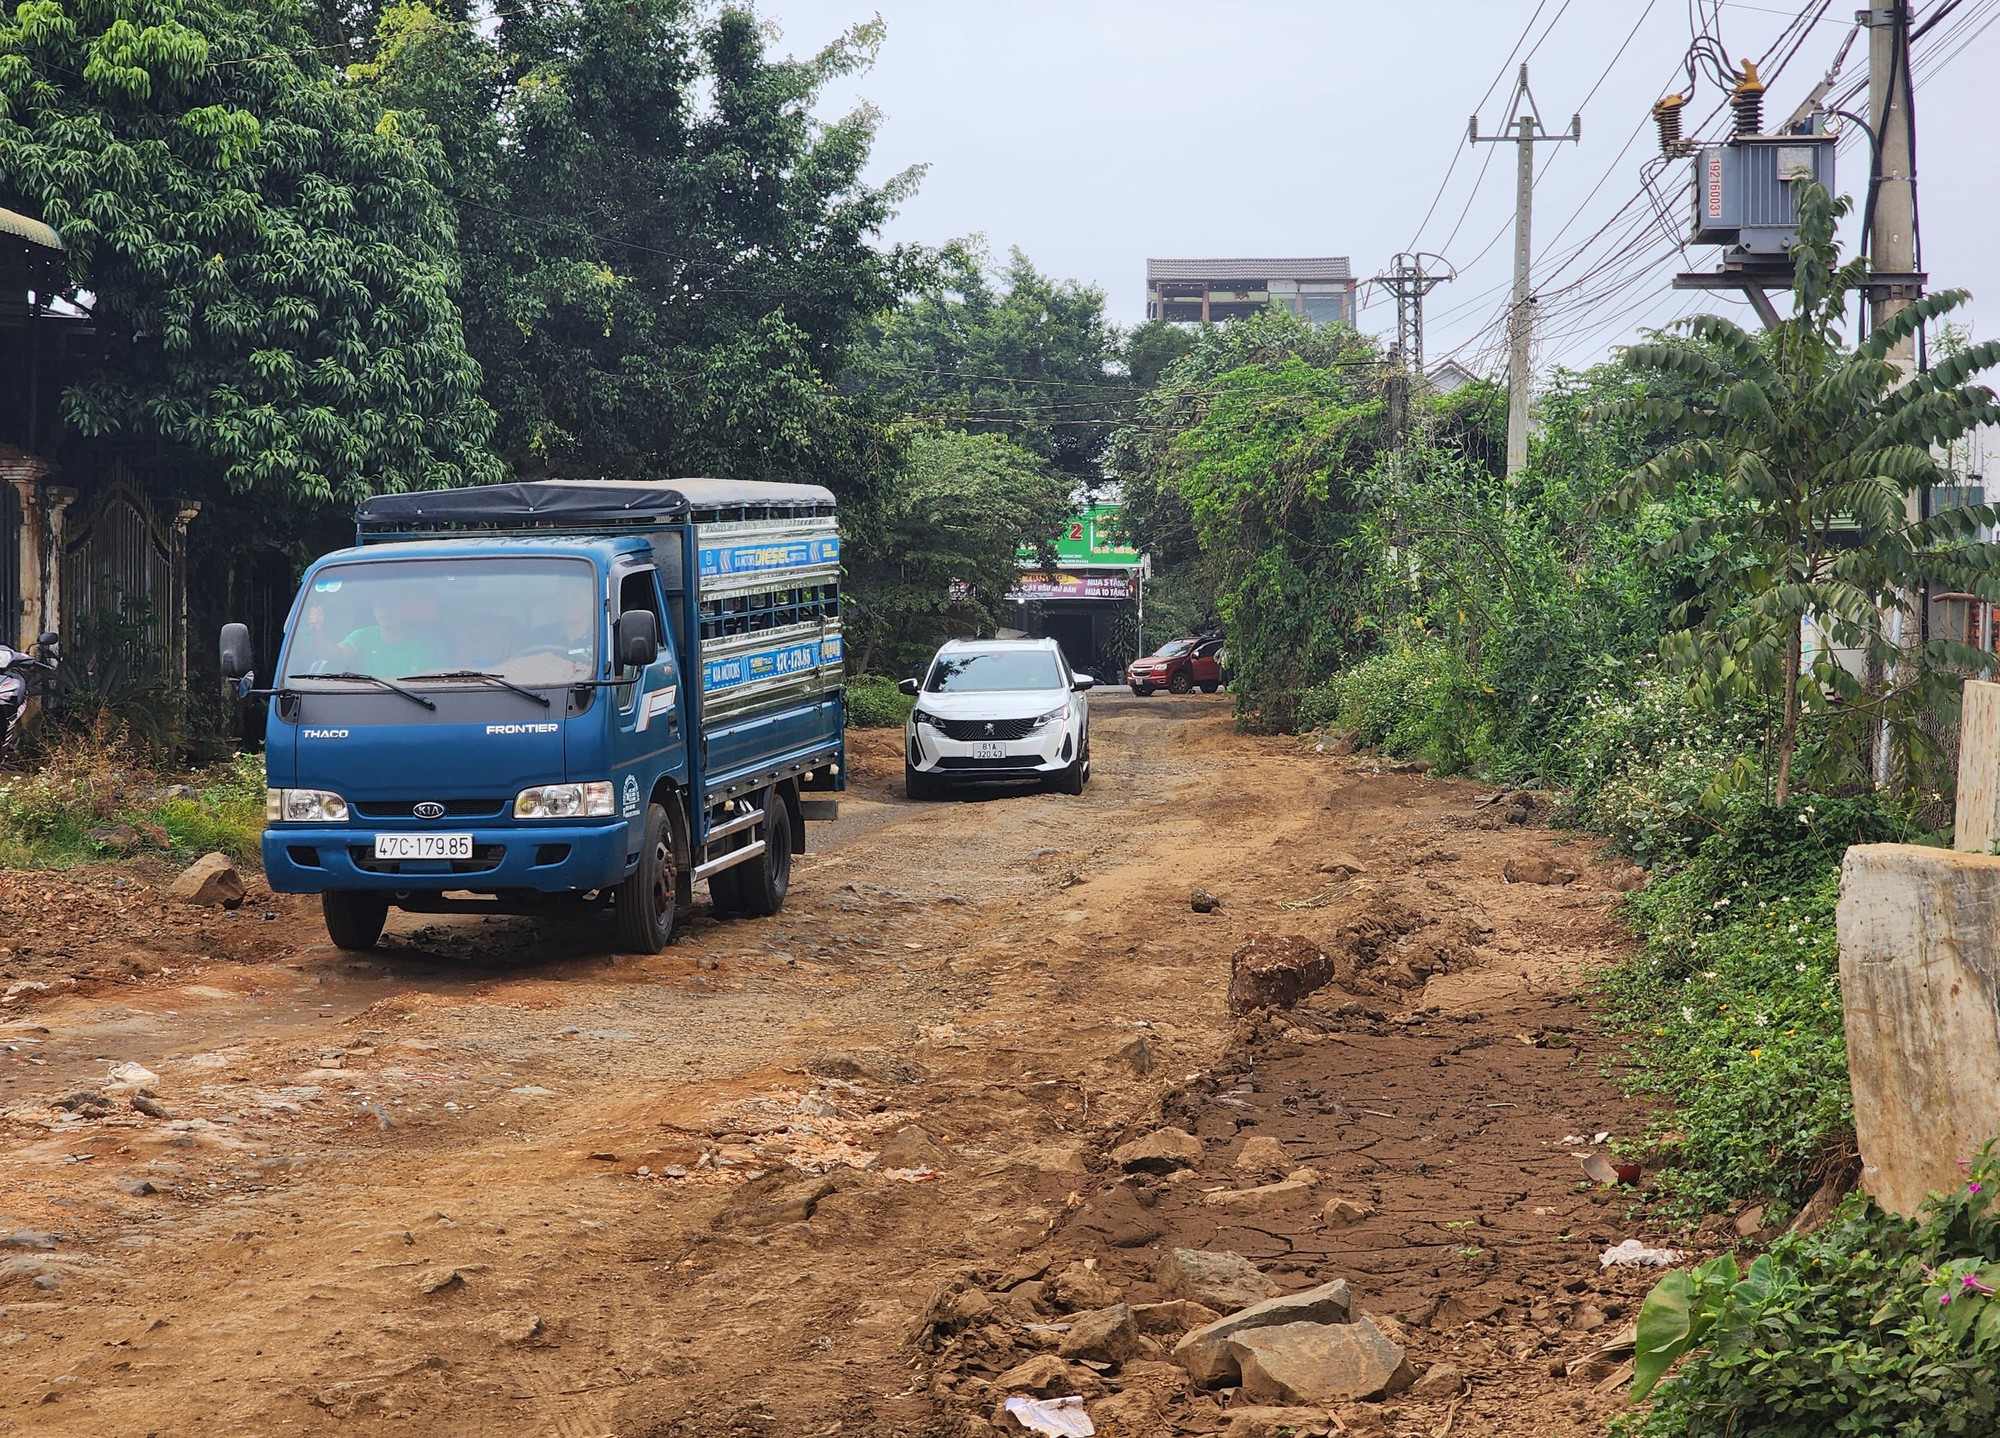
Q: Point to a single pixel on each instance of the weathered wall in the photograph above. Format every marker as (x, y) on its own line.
(1920, 982)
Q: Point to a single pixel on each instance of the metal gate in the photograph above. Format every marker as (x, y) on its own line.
(121, 601)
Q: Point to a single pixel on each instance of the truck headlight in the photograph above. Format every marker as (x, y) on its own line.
(304, 806)
(565, 801)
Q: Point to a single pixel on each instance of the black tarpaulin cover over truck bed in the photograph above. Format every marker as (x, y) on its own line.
(583, 502)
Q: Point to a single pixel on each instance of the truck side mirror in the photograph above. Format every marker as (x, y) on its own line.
(236, 655)
(638, 638)
(907, 686)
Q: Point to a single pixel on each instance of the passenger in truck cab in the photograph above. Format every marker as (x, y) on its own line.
(402, 640)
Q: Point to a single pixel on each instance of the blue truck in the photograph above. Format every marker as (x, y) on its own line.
(556, 697)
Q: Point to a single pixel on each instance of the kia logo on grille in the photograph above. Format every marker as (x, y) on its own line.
(429, 809)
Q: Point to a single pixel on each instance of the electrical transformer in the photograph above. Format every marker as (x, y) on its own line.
(1746, 193)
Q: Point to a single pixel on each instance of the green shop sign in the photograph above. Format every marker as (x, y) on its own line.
(1090, 537)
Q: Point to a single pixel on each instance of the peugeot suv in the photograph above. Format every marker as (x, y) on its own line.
(997, 709)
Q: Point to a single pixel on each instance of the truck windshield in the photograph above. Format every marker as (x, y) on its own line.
(983, 673)
(531, 621)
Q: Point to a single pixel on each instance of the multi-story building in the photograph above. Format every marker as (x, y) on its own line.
(1321, 290)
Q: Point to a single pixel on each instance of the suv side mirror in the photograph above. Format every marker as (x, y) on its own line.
(638, 638)
(909, 686)
(1081, 682)
(235, 646)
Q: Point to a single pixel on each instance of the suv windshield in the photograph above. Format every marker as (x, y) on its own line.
(984, 671)
(1176, 649)
(532, 621)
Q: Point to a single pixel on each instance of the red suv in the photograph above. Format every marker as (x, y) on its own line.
(1179, 668)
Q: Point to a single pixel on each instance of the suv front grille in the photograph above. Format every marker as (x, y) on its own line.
(971, 731)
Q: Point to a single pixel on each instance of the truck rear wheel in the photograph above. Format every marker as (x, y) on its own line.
(354, 917)
(644, 902)
(768, 877)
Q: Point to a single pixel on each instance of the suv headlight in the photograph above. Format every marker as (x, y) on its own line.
(304, 806)
(924, 716)
(1052, 717)
(565, 801)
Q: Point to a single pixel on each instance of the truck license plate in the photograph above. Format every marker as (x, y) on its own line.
(989, 751)
(423, 846)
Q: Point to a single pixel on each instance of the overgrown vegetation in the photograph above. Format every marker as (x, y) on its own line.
(874, 702)
(1734, 1004)
(93, 796)
(1873, 1325)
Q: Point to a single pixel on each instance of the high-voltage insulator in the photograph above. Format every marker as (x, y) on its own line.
(1747, 100)
(1667, 115)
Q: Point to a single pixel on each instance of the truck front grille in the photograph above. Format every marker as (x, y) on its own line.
(453, 808)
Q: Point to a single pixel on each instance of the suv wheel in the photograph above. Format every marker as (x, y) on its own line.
(1181, 683)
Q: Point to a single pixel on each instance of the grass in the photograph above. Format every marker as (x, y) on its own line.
(1740, 1032)
(72, 802)
(874, 702)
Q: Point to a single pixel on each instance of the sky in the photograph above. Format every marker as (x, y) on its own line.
(1096, 133)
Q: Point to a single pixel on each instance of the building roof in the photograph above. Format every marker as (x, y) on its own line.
(31, 254)
(1324, 267)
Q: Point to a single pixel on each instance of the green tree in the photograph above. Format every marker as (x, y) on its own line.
(273, 263)
(1821, 451)
(944, 538)
(1241, 469)
(1014, 353)
(666, 254)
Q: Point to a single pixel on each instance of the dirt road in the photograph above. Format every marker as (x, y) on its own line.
(492, 1181)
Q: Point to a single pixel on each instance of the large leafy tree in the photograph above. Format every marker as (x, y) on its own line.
(944, 540)
(1242, 469)
(269, 264)
(665, 252)
(1823, 452)
(1008, 351)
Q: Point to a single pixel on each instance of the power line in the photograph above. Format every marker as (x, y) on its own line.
(1458, 150)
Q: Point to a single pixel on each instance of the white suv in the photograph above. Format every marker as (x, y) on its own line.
(997, 709)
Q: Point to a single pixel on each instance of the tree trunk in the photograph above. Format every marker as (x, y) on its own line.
(1788, 732)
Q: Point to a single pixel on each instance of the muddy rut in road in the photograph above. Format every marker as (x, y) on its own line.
(837, 1171)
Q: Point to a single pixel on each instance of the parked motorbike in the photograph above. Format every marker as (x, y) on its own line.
(16, 669)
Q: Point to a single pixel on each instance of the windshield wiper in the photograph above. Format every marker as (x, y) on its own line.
(388, 684)
(486, 675)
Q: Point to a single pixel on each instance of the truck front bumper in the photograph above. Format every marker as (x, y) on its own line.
(545, 858)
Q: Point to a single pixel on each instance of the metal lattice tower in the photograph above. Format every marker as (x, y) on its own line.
(1409, 278)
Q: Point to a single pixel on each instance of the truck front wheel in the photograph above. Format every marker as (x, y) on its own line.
(354, 918)
(644, 902)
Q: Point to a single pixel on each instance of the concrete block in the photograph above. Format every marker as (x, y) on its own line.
(1920, 986)
(1978, 814)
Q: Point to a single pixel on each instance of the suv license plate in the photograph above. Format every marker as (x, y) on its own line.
(989, 751)
(423, 846)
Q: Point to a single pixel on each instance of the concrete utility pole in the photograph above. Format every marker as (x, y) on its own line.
(1528, 131)
(1892, 239)
(1892, 264)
